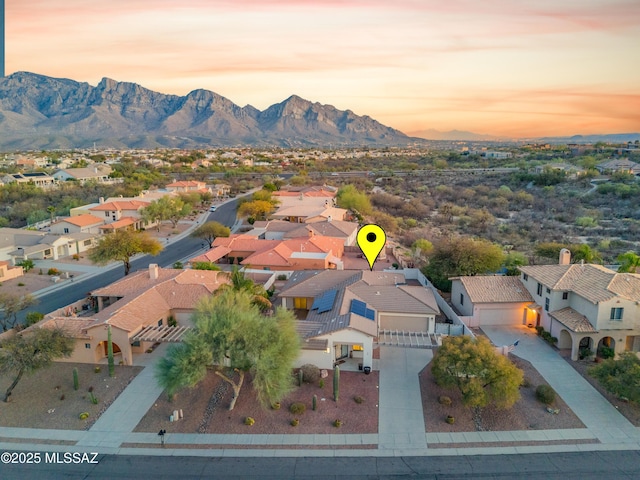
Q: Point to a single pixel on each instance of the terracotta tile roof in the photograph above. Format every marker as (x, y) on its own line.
(495, 289)
(592, 282)
(144, 300)
(74, 326)
(84, 220)
(279, 256)
(123, 222)
(186, 183)
(574, 321)
(212, 255)
(120, 205)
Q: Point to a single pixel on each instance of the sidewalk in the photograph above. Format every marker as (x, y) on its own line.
(599, 416)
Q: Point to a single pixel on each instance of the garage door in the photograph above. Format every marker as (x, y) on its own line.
(500, 316)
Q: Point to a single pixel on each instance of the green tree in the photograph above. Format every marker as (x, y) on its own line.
(461, 256)
(229, 330)
(629, 262)
(154, 213)
(549, 250)
(26, 264)
(32, 318)
(512, 261)
(205, 266)
(12, 304)
(258, 209)
(122, 245)
(351, 198)
(241, 283)
(52, 211)
(176, 209)
(420, 250)
(583, 252)
(620, 377)
(31, 351)
(478, 371)
(209, 231)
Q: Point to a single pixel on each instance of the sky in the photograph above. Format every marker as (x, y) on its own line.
(511, 68)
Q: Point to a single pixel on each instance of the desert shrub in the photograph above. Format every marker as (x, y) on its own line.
(526, 383)
(607, 352)
(76, 257)
(297, 408)
(321, 383)
(310, 373)
(450, 419)
(275, 406)
(358, 399)
(249, 421)
(295, 422)
(97, 370)
(337, 423)
(62, 397)
(584, 353)
(20, 284)
(444, 400)
(539, 329)
(83, 415)
(545, 394)
(281, 277)
(53, 271)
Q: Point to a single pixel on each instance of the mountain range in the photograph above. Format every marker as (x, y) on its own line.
(40, 112)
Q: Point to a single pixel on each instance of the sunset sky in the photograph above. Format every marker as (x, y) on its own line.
(517, 68)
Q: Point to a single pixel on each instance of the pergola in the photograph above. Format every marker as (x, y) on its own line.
(153, 333)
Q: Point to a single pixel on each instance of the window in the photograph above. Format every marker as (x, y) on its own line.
(136, 343)
(357, 348)
(87, 345)
(539, 289)
(106, 214)
(461, 299)
(548, 290)
(565, 295)
(160, 322)
(616, 313)
(47, 251)
(86, 243)
(546, 304)
(66, 230)
(525, 277)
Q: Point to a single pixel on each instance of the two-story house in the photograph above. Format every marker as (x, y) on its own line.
(586, 306)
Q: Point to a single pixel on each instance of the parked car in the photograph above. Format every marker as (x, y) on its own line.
(213, 208)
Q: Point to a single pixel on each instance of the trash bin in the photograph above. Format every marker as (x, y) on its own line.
(367, 370)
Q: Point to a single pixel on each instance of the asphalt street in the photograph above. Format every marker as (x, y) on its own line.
(612, 465)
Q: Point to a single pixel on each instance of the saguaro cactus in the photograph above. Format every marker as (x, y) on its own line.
(76, 382)
(112, 368)
(314, 403)
(336, 382)
(300, 377)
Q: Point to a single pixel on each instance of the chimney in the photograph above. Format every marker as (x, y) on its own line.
(311, 233)
(101, 200)
(153, 271)
(329, 218)
(565, 257)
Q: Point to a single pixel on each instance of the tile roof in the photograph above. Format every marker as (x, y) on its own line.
(120, 205)
(144, 300)
(83, 220)
(382, 291)
(123, 222)
(574, 321)
(186, 183)
(74, 326)
(495, 289)
(592, 282)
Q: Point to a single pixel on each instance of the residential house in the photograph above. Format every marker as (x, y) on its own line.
(305, 253)
(492, 300)
(120, 214)
(53, 247)
(140, 301)
(86, 223)
(187, 186)
(39, 179)
(98, 172)
(623, 165)
(341, 312)
(281, 230)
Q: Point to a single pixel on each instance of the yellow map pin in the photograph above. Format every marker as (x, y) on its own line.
(371, 239)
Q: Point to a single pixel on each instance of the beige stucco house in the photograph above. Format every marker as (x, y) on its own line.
(341, 312)
(143, 299)
(86, 223)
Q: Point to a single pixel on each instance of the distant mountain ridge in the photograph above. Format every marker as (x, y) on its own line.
(39, 112)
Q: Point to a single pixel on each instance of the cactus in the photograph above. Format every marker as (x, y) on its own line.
(76, 382)
(92, 398)
(300, 377)
(110, 353)
(314, 403)
(336, 383)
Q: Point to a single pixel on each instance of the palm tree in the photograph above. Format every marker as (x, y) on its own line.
(52, 210)
(240, 282)
(629, 262)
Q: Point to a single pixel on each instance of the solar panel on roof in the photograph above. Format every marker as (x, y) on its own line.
(370, 314)
(358, 307)
(327, 301)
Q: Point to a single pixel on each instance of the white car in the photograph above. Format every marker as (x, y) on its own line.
(213, 208)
